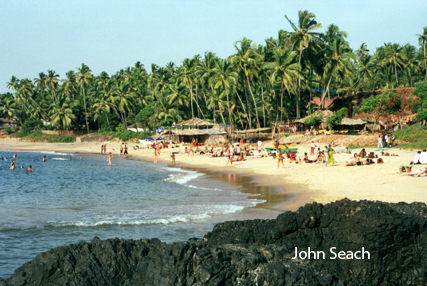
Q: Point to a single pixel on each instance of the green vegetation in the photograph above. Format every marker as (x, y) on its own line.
(314, 119)
(421, 105)
(335, 119)
(256, 86)
(38, 136)
(414, 137)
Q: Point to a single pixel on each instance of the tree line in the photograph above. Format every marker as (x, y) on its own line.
(254, 87)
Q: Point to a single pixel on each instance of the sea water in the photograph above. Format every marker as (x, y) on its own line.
(66, 201)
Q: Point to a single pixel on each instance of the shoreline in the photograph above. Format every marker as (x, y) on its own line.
(300, 183)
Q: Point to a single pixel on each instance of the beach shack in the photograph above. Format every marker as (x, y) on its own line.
(187, 135)
(252, 135)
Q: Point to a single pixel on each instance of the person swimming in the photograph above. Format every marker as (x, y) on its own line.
(44, 158)
(30, 169)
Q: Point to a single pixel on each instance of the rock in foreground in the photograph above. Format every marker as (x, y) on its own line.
(255, 252)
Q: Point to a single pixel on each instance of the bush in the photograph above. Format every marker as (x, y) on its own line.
(8, 130)
(38, 136)
(121, 128)
(314, 119)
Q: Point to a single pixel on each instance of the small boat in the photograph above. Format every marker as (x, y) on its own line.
(292, 150)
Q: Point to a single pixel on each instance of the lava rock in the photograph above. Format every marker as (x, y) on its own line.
(257, 252)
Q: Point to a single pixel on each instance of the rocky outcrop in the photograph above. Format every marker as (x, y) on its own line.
(256, 252)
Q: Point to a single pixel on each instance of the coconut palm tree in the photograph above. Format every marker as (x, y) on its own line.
(62, 112)
(13, 83)
(8, 107)
(285, 69)
(338, 63)
(83, 77)
(393, 57)
(303, 37)
(226, 76)
(52, 82)
(248, 60)
(178, 96)
(422, 39)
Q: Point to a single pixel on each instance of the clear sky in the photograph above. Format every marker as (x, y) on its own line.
(111, 35)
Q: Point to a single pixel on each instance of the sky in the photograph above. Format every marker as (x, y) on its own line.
(111, 35)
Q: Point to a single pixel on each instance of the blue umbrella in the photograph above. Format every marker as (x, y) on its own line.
(160, 129)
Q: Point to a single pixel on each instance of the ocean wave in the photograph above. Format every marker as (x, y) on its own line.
(40, 152)
(183, 177)
(178, 218)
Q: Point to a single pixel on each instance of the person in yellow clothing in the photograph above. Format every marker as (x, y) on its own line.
(331, 159)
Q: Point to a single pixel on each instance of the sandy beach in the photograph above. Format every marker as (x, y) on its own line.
(302, 183)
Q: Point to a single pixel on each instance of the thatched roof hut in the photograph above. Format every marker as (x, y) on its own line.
(196, 122)
(255, 130)
(350, 121)
(325, 115)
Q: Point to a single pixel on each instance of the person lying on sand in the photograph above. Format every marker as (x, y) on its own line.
(394, 154)
(355, 161)
(385, 153)
(416, 173)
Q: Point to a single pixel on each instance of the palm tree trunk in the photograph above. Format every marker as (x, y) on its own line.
(324, 92)
(395, 70)
(177, 111)
(108, 121)
(228, 105)
(253, 97)
(249, 109)
(299, 85)
(281, 102)
(425, 62)
(243, 105)
(263, 104)
(84, 101)
(191, 93)
(222, 116)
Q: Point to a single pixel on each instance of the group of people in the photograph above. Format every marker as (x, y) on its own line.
(13, 163)
(385, 141)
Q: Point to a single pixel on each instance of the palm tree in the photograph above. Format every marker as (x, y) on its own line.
(70, 84)
(248, 61)
(177, 94)
(40, 82)
(61, 111)
(52, 82)
(302, 37)
(285, 68)
(8, 107)
(13, 83)
(393, 57)
(338, 63)
(422, 39)
(187, 76)
(226, 77)
(103, 104)
(83, 77)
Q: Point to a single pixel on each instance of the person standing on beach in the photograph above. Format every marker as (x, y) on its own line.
(380, 142)
(259, 145)
(102, 148)
(155, 155)
(173, 158)
(105, 148)
(126, 151)
(109, 159)
(331, 159)
(312, 148)
(121, 150)
(229, 160)
(280, 159)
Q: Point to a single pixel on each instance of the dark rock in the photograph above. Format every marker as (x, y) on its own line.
(255, 252)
